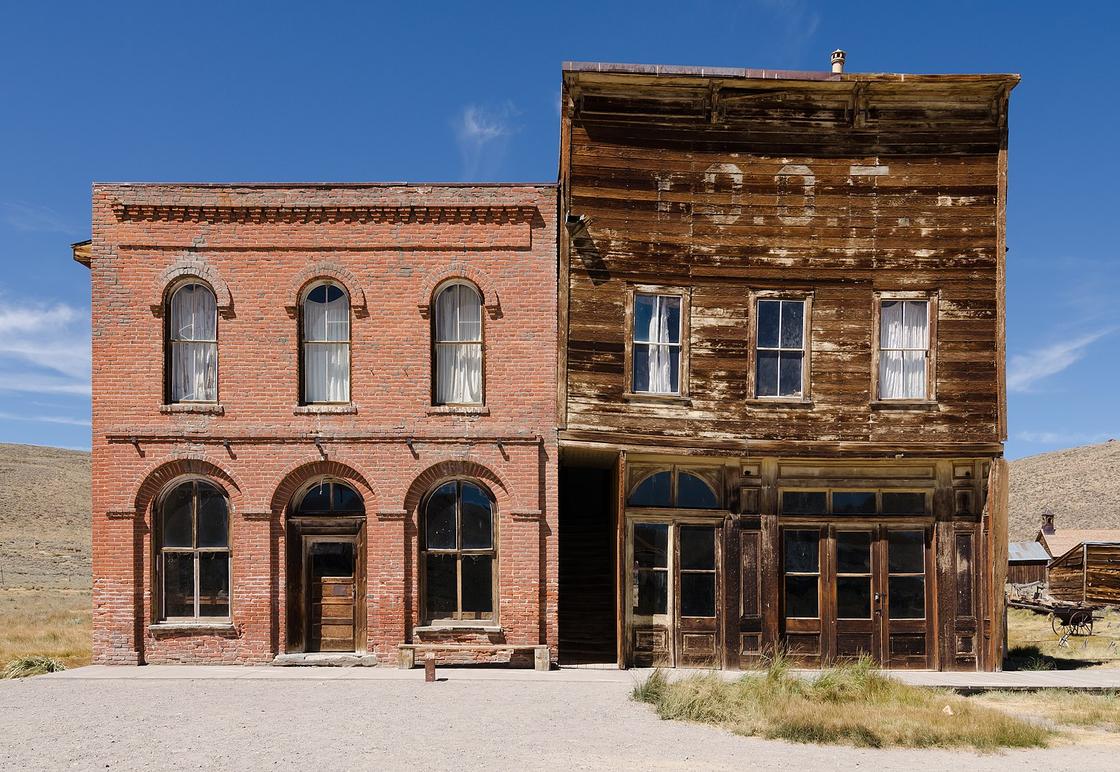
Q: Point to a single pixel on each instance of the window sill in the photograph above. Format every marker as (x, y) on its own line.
(459, 627)
(341, 409)
(191, 627)
(904, 404)
(458, 410)
(656, 399)
(779, 402)
(205, 408)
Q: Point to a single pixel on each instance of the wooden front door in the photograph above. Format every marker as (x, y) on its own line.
(905, 596)
(330, 571)
(673, 620)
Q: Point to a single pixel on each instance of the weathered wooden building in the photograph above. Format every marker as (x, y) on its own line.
(782, 402)
(1087, 573)
(1026, 562)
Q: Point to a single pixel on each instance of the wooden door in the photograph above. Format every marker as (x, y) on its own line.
(801, 606)
(855, 607)
(651, 579)
(696, 590)
(904, 592)
(330, 565)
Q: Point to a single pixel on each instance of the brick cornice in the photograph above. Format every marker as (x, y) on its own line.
(392, 514)
(137, 212)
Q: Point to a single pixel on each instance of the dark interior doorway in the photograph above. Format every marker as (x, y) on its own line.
(587, 560)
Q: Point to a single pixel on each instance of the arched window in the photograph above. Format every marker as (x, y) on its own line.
(192, 344)
(458, 346)
(325, 337)
(677, 488)
(193, 563)
(457, 553)
(329, 497)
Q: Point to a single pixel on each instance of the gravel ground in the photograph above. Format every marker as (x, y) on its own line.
(457, 724)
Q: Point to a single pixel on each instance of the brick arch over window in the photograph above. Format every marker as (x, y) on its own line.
(468, 273)
(328, 270)
(196, 268)
(156, 478)
(443, 470)
(297, 476)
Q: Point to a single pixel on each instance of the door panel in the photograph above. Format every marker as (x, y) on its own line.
(332, 593)
(853, 594)
(906, 597)
(651, 580)
(801, 593)
(697, 590)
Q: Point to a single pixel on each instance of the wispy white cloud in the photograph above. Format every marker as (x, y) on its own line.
(1025, 370)
(43, 348)
(798, 21)
(483, 134)
(45, 419)
(25, 217)
(1063, 438)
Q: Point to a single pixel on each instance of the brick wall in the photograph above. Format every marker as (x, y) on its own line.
(258, 246)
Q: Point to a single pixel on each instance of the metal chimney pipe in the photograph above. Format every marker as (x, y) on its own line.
(838, 61)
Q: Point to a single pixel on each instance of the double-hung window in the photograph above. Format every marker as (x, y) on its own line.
(192, 345)
(458, 346)
(780, 348)
(656, 344)
(904, 349)
(325, 336)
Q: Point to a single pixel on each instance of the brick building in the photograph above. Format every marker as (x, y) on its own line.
(323, 420)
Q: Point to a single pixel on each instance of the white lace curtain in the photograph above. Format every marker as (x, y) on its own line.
(326, 345)
(458, 363)
(903, 348)
(194, 344)
(657, 320)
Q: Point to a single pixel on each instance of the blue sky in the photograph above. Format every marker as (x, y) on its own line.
(423, 92)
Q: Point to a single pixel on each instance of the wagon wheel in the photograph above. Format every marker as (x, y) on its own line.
(1057, 625)
(1081, 623)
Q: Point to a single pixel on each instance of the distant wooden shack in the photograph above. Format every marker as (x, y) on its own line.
(1026, 562)
(1085, 563)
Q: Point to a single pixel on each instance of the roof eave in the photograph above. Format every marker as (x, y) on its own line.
(81, 251)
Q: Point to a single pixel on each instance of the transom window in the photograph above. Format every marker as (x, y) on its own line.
(676, 487)
(193, 561)
(780, 349)
(458, 552)
(325, 331)
(458, 346)
(854, 502)
(192, 344)
(656, 344)
(903, 349)
(329, 497)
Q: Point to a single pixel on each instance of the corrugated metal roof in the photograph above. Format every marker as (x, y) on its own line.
(1026, 551)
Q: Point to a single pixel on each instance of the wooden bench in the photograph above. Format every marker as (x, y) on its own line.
(408, 651)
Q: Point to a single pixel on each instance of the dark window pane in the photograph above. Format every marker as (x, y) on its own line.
(671, 309)
(439, 518)
(213, 517)
(789, 374)
(641, 367)
(906, 552)
(801, 551)
(644, 308)
(476, 518)
(478, 587)
(698, 595)
(694, 492)
(178, 584)
(653, 592)
(853, 503)
(317, 500)
(904, 503)
(651, 545)
(804, 503)
(654, 491)
(346, 499)
(332, 558)
(766, 377)
(213, 584)
(793, 323)
(853, 552)
(768, 315)
(439, 585)
(698, 547)
(674, 369)
(853, 597)
(801, 597)
(177, 527)
(906, 597)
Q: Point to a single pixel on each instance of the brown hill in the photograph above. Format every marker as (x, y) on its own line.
(44, 517)
(1081, 486)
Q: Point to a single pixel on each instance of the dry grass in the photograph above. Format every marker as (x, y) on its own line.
(1063, 707)
(1081, 485)
(45, 623)
(1032, 644)
(850, 705)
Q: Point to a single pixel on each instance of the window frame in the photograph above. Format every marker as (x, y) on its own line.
(433, 329)
(685, 296)
(159, 609)
(169, 341)
(457, 619)
(806, 298)
(303, 342)
(931, 299)
(712, 476)
(878, 515)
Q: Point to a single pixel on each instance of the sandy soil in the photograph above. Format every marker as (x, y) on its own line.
(458, 724)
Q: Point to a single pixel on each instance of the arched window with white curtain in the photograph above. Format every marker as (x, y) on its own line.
(325, 339)
(192, 344)
(458, 346)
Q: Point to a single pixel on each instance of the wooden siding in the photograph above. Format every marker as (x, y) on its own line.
(1089, 573)
(1025, 573)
